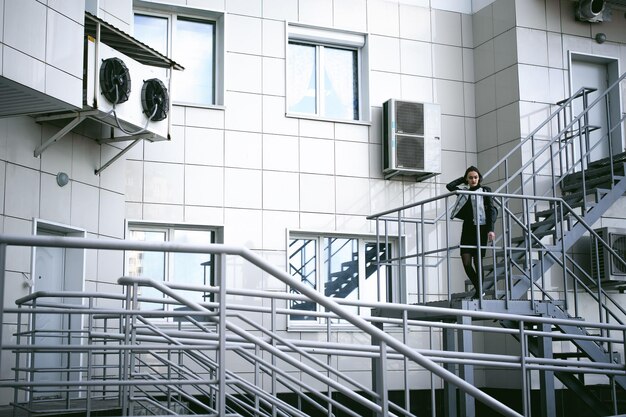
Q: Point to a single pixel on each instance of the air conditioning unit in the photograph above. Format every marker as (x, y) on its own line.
(604, 265)
(411, 139)
(124, 93)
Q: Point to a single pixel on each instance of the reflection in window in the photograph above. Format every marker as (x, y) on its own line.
(323, 81)
(180, 268)
(344, 268)
(192, 45)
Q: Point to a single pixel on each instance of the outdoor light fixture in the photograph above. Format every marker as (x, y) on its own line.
(600, 37)
(62, 179)
(590, 10)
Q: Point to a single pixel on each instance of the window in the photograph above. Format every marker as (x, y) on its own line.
(340, 267)
(193, 43)
(326, 74)
(180, 268)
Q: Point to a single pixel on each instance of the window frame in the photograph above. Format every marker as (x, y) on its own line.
(169, 230)
(337, 39)
(172, 14)
(392, 289)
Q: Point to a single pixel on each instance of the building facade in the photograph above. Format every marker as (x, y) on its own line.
(273, 137)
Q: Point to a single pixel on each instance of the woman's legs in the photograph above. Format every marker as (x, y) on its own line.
(470, 264)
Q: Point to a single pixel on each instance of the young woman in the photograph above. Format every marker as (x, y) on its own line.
(474, 210)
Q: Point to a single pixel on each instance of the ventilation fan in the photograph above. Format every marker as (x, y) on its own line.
(114, 80)
(154, 99)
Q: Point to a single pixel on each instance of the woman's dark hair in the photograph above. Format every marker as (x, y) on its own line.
(473, 169)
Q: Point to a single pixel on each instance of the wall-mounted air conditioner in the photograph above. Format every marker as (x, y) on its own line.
(127, 95)
(411, 139)
(604, 264)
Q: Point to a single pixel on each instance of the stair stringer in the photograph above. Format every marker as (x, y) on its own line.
(538, 269)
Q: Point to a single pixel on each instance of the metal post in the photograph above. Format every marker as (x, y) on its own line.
(468, 403)
(449, 390)
(379, 365)
(221, 373)
(546, 377)
(3, 257)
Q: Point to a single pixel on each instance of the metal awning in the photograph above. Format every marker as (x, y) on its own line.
(126, 44)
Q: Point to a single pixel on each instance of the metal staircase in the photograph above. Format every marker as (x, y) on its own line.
(547, 205)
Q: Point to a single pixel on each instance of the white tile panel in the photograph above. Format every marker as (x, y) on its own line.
(1, 29)
(508, 123)
(280, 9)
(505, 50)
(448, 62)
(242, 149)
(199, 117)
(167, 150)
(482, 24)
(121, 10)
(244, 73)
(281, 191)
(204, 146)
(384, 52)
(485, 95)
(317, 156)
(530, 14)
(134, 181)
(85, 206)
(507, 85)
(204, 186)
(274, 76)
(417, 88)
(23, 69)
(317, 129)
(163, 213)
(317, 221)
(274, 38)
(534, 84)
(23, 135)
(162, 183)
(274, 119)
(63, 86)
(453, 133)
(243, 111)
(318, 193)
(559, 84)
(461, 6)
(216, 5)
(71, 9)
(22, 190)
(352, 132)
(446, 28)
(486, 131)
(110, 266)
(416, 58)
(468, 65)
(352, 195)
(532, 46)
(350, 14)
(243, 34)
(18, 258)
(386, 195)
(111, 218)
(64, 44)
(383, 17)
(447, 93)
(244, 188)
(280, 153)
(469, 94)
(275, 225)
(415, 22)
(383, 86)
(114, 177)
(204, 215)
(19, 15)
(245, 228)
(4, 124)
(352, 159)
(316, 12)
(244, 7)
(470, 135)
(467, 33)
(85, 160)
(484, 60)
(504, 16)
(376, 160)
